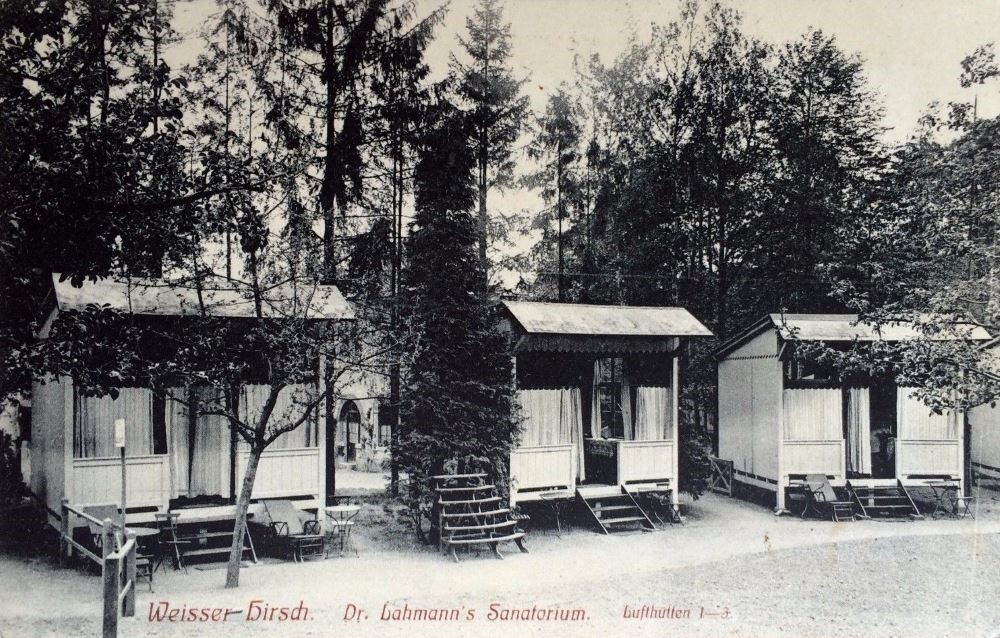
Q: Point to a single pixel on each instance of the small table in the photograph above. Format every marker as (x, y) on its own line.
(556, 500)
(946, 494)
(341, 517)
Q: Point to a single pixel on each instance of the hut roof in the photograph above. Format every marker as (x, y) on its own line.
(607, 321)
(220, 298)
(844, 327)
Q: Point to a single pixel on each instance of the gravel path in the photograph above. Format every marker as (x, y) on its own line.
(776, 576)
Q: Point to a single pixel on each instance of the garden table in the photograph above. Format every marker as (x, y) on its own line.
(341, 517)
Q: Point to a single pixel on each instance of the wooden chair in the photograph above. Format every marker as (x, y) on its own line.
(144, 563)
(821, 496)
(293, 531)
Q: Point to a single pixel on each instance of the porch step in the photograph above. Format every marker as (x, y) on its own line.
(884, 501)
(496, 512)
(614, 511)
(210, 550)
(467, 488)
(463, 521)
(489, 499)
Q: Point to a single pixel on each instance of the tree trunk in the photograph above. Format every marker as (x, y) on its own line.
(242, 505)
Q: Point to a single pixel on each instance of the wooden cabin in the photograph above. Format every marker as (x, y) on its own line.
(984, 428)
(174, 457)
(781, 418)
(598, 392)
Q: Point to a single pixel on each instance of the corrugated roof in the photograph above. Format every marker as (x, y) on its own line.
(807, 327)
(839, 327)
(624, 321)
(221, 299)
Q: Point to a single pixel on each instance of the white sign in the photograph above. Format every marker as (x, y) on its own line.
(119, 432)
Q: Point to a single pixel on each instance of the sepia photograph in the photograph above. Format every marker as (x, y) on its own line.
(434, 318)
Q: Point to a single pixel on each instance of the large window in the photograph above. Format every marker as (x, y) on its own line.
(94, 424)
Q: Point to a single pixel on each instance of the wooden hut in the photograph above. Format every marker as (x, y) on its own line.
(174, 457)
(984, 428)
(781, 418)
(598, 391)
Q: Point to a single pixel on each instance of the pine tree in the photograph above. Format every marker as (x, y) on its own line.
(457, 403)
(497, 110)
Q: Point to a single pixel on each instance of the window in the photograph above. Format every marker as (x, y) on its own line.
(94, 424)
(609, 390)
(386, 419)
(349, 429)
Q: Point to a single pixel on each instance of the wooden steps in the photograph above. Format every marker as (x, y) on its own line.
(614, 511)
(883, 501)
(468, 515)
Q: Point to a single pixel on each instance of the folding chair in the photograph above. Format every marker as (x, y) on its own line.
(293, 530)
(821, 496)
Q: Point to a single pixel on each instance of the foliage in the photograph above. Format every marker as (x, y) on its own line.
(457, 401)
(12, 486)
(496, 110)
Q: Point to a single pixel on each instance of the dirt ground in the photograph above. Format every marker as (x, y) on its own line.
(734, 569)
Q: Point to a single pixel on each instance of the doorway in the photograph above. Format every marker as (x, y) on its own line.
(883, 430)
(350, 419)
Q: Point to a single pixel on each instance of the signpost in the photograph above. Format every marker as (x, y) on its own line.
(120, 444)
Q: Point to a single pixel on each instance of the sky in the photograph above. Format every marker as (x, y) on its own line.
(912, 49)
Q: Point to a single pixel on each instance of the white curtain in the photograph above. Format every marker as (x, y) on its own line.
(859, 442)
(653, 414)
(203, 470)
(813, 415)
(595, 402)
(626, 404)
(292, 401)
(553, 417)
(94, 427)
(917, 421)
(177, 427)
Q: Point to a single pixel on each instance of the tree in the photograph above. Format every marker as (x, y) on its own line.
(556, 145)
(457, 400)
(487, 87)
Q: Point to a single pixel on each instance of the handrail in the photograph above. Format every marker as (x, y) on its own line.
(118, 596)
(87, 516)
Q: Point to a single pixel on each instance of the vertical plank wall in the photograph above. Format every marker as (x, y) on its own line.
(749, 406)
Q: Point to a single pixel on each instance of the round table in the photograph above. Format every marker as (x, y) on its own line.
(341, 518)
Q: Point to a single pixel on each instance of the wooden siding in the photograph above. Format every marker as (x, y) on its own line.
(984, 428)
(645, 460)
(750, 410)
(813, 457)
(49, 447)
(97, 481)
(286, 472)
(544, 466)
(933, 457)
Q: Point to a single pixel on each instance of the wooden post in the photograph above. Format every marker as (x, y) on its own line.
(123, 490)
(112, 587)
(129, 607)
(107, 539)
(65, 547)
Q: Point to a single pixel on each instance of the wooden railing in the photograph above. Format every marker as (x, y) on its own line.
(645, 461)
(98, 480)
(284, 472)
(532, 468)
(118, 564)
(814, 457)
(119, 582)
